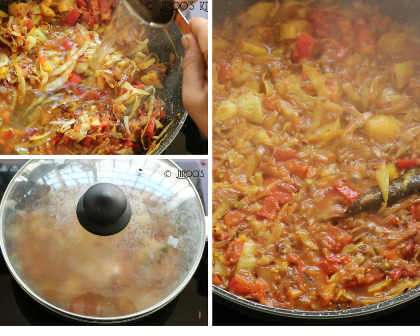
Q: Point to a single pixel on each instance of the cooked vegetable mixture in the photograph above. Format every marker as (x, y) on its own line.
(94, 275)
(53, 102)
(316, 106)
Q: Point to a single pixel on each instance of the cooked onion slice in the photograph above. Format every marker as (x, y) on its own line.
(60, 81)
(21, 85)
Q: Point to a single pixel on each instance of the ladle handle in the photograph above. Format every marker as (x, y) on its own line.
(182, 23)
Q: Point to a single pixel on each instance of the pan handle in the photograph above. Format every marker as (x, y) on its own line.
(182, 23)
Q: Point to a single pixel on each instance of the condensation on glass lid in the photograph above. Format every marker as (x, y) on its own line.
(102, 276)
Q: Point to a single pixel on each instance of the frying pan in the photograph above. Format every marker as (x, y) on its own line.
(405, 11)
(171, 94)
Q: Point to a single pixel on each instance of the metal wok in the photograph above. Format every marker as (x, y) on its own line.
(405, 11)
(171, 94)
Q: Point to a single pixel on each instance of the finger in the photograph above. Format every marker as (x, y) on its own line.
(194, 65)
(200, 27)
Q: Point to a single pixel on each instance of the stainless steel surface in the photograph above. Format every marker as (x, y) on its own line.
(82, 318)
(405, 11)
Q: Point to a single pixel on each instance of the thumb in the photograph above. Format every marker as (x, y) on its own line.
(194, 65)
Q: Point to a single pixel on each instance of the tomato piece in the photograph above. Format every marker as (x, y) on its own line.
(8, 134)
(91, 22)
(105, 121)
(57, 139)
(282, 154)
(415, 211)
(411, 270)
(224, 71)
(74, 79)
(48, 45)
(328, 267)
(294, 259)
(139, 85)
(365, 40)
(280, 195)
(88, 141)
(304, 47)
(396, 273)
(105, 10)
(128, 143)
(297, 167)
(248, 286)
(234, 251)
(233, 218)
(81, 3)
(72, 17)
(392, 254)
(5, 116)
(407, 163)
(338, 258)
(347, 192)
(318, 21)
(269, 215)
(67, 44)
(85, 17)
(335, 239)
(43, 60)
(150, 128)
(29, 25)
(270, 204)
(77, 92)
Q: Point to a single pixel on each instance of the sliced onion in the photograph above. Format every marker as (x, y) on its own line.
(39, 140)
(268, 86)
(21, 85)
(4, 60)
(134, 107)
(21, 149)
(60, 81)
(382, 177)
(127, 126)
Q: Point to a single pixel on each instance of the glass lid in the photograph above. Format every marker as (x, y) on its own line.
(59, 261)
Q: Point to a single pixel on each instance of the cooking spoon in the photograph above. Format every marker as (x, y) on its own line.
(156, 14)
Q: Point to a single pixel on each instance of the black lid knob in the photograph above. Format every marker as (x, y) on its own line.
(104, 209)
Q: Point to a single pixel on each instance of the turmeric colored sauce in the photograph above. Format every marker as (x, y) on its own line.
(314, 105)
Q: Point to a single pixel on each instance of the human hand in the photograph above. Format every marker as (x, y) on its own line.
(195, 84)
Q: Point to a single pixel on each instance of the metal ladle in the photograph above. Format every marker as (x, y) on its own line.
(156, 13)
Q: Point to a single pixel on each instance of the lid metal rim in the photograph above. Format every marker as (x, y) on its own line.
(325, 314)
(94, 319)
